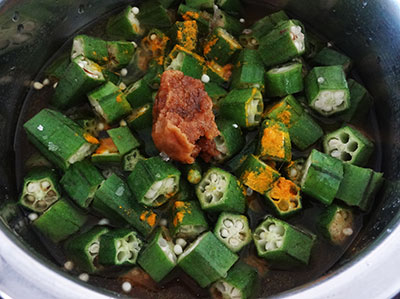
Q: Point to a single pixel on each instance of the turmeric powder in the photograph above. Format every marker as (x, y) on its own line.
(285, 195)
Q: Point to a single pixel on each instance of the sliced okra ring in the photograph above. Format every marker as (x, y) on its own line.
(158, 257)
(130, 160)
(120, 54)
(215, 92)
(328, 57)
(157, 43)
(141, 117)
(257, 175)
(221, 46)
(274, 143)
(282, 245)
(123, 139)
(227, 22)
(243, 106)
(80, 181)
(186, 34)
(206, 259)
(202, 18)
(119, 247)
(125, 25)
(284, 198)
(336, 224)
(322, 177)
(138, 93)
(107, 153)
(240, 283)
(294, 170)
(217, 73)
(285, 42)
(185, 61)
(233, 230)
(188, 220)
(249, 72)
(81, 76)
(153, 15)
(349, 145)
(59, 138)
(230, 140)
(60, 221)
(193, 172)
(83, 249)
(153, 181)
(284, 80)
(219, 191)
(327, 90)
(90, 125)
(92, 48)
(201, 4)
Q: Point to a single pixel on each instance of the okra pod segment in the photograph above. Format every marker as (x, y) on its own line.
(248, 72)
(230, 140)
(120, 54)
(215, 92)
(349, 145)
(217, 73)
(185, 61)
(158, 257)
(329, 57)
(327, 90)
(92, 48)
(233, 231)
(59, 138)
(233, 7)
(201, 4)
(221, 46)
(322, 177)
(243, 106)
(141, 117)
(107, 153)
(83, 249)
(131, 159)
(230, 24)
(40, 189)
(202, 18)
(90, 125)
(138, 93)
(123, 139)
(153, 15)
(206, 259)
(294, 170)
(125, 25)
(219, 191)
(284, 80)
(157, 43)
(119, 247)
(186, 34)
(154, 181)
(193, 172)
(282, 245)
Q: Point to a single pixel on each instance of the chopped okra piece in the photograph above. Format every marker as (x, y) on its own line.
(40, 189)
(249, 71)
(359, 186)
(221, 46)
(227, 22)
(233, 7)
(158, 257)
(185, 192)
(215, 92)
(349, 145)
(114, 197)
(188, 220)
(284, 80)
(202, 18)
(327, 90)
(138, 93)
(193, 172)
(185, 61)
(57, 68)
(217, 73)
(119, 247)
(233, 230)
(123, 139)
(274, 143)
(220, 191)
(92, 48)
(141, 117)
(243, 106)
(186, 34)
(153, 15)
(153, 181)
(230, 140)
(201, 4)
(329, 57)
(120, 54)
(285, 42)
(294, 170)
(157, 43)
(240, 283)
(207, 259)
(60, 221)
(59, 138)
(80, 181)
(336, 224)
(81, 76)
(153, 74)
(322, 177)
(124, 25)
(83, 249)
(257, 175)
(90, 125)
(130, 160)
(112, 76)
(282, 245)
(284, 198)
(107, 153)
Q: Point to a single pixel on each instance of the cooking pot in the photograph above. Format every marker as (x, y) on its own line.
(366, 30)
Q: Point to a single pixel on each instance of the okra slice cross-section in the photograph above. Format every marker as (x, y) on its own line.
(92, 48)
(230, 140)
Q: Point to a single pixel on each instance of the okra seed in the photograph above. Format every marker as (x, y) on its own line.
(41, 204)
(32, 187)
(122, 85)
(270, 246)
(228, 223)
(37, 85)
(293, 172)
(224, 233)
(84, 277)
(46, 81)
(126, 287)
(163, 242)
(234, 241)
(335, 154)
(68, 265)
(241, 20)
(347, 231)
(181, 242)
(55, 85)
(119, 244)
(235, 126)
(239, 225)
(247, 31)
(279, 243)
(32, 216)
(205, 78)
(45, 185)
(334, 142)
(153, 37)
(134, 44)
(135, 10)
(321, 80)
(249, 191)
(104, 221)
(94, 248)
(124, 72)
(163, 222)
(178, 249)
(29, 198)
(254, 41)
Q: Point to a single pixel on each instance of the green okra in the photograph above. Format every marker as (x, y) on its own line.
(153, 74)
(80, 182)
(185, 192)
(59, 138)
(138, 93)
(294, 170)
(230, 140)
(349, 145)
(206, 259)
(284, 198)
(282, 245)
(327, 90)
(185, 61)
(141, 117)
(40, 189)
(240, 283)
(123, 139)
(83, 249)
(92, 48)
(200, 4)
(233, 231)
(57, 68)
(120, 54)
(284, 80)
(154, 15)
(193, 172)
(257, 175)
(217, 73)
(322, 177)
(158, 257)
(227, 22)
(186, 34)
(114, 197)
(130, 160)
(90, 125)
(188, 220)
(233, 7)
(107, 153)
(219, 191)
(112, 76)
(285, 42)
(329, 57)
(169, 3)
(274, 142)
(359, 186)
(215, 92)
(237, 161)
(125, 25)
(249, 71)
(119, 247)
(221, 46)
(156, 43)
(153, 181)
(202, 18)
(60, 221)
(243, 106)
(81, 76)
(336, 223)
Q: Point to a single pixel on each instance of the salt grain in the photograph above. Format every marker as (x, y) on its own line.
(84, 277)
(37, 85)
(126, 287)
(69, 265)
(32, 216)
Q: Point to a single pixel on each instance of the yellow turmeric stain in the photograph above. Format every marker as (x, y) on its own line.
(187, 36)
(105, 58)
(209, 45)
(285, 117)
(107, 145)
(94, 53)
(178, 218)
(259, 181)
(119, 98)
(91, 139)
(273, 142)
(156, 47)
(151, 220)
(190, 15)
(285, 195)
(179, 204)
